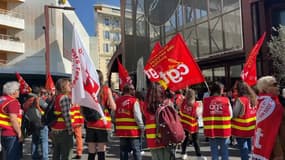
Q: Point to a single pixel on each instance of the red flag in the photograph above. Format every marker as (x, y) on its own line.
(175, 65)
(248, 73)
(49, 83)
(149, 71)
(24, 87)
(123, 75)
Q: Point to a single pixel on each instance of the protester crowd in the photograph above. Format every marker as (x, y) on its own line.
(245, 114)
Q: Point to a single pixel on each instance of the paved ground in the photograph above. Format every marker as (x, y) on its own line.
(113, 151)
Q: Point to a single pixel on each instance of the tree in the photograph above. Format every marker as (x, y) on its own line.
(277, 51)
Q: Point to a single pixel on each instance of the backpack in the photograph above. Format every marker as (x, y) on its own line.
(49, 117)
(169, 129)
(32, 118)
(90, 115)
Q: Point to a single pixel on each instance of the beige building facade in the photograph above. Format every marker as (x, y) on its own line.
(22, 37)
(108, 33)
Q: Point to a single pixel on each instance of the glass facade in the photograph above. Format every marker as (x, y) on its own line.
(208, 26)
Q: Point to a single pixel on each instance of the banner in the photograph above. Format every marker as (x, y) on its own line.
(24, 86)
(49, 84)
(123, 75)
(174, 65)
(85, 80)
(248, 73)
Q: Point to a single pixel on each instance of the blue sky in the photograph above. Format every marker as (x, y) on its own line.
(84, 10)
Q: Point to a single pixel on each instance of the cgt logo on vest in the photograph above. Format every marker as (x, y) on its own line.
(216, 108)
(174, 75)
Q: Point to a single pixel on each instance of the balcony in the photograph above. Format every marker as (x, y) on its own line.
(11, 19)
(11, 44)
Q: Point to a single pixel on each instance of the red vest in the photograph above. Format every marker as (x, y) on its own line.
(243, 126)
(76, 115)
(100, 124)
(126, 125)
(60, 123)
(189, 117)
(268, 119)
(4, 117)
(150, 130)
(216, 117)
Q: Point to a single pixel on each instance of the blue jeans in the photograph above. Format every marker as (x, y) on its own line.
(11, 146)
(244, 144)
(130, 144)
(40, 143)
(219, 145)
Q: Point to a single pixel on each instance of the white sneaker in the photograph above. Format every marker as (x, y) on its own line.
(202, 158)
(184, 156)
(142, 152)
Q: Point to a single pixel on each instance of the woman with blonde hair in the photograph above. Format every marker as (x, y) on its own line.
(269, 138)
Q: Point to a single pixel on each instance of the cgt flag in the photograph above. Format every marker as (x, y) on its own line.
(85, 80)
(174, 65)
(248, 73)
(24, 86)
(123, 75)
(49, 84)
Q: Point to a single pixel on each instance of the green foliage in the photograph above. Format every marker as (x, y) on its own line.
(277, 50)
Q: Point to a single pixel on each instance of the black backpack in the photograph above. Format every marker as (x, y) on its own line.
(32, 118)
(49, 117)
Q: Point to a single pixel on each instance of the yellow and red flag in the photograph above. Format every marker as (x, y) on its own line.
(123, 75)
(24, 86)
(173, 66)
(248, 73)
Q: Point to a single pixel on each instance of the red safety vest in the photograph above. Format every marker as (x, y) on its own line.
(60, 123)
(4, 117)
(216, 117)
(78, 119)
(100, 124)
(244, 125)
(126, 125)
(150, 130)
(189, 117)
(268, 119)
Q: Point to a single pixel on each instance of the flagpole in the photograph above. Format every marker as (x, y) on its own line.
(205, 82)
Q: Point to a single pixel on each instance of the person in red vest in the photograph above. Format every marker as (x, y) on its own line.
(189, 120)
(129, 123)
(244, 116)
(77, 127)
(97, 131)
(155, 97)
(62, 130)
(217, 114)
(269, 134)
(10, 121)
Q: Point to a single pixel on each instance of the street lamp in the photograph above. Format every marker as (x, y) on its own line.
(46, 28)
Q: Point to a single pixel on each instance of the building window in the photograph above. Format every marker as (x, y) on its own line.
(106, 47)
(116, 23)
(106, 21)
(116, 36)
(106, 34)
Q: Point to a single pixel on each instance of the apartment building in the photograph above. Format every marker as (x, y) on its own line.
(108, 33)
(22, 38)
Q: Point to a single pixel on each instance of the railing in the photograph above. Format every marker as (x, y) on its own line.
(11, 13)
(9, 37)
